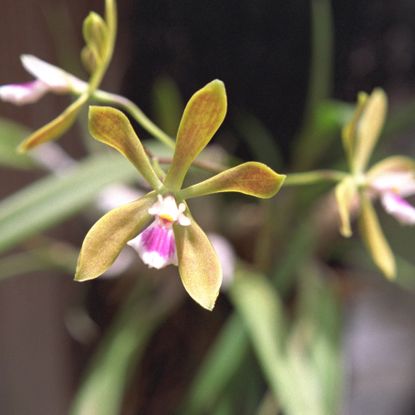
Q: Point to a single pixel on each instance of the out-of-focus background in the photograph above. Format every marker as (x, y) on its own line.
(262, 51)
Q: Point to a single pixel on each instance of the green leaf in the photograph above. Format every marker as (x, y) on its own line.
(203, 115)
(105, 240)
(199, 266)
(375, 240)
(110, 126)
(345, 196)
(56, 127)
(11, 135)
(119, 353)
(260, 308)
(252, 178)
(224, 357)
(53, 199)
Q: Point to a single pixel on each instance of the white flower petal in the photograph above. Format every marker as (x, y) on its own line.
(56, 78)
(399, 208)
(24, 93)
(402, 183)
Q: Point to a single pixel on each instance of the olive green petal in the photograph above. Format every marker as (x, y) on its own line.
(112, 127)
(252, 178)
(346, 194)
(109, 235)
(199, 267)
(369, 128)
(54, 128)
(203, 115)
(375, 240)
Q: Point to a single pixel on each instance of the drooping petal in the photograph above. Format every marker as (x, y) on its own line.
(252, 178)
(54, 128)
(156, 245)
(375, 240)
(345, 196)
(24, 93)
(399, 208)
(112, 127)
(203, 115)
(55, 78)
(199, 266)
(109, 235)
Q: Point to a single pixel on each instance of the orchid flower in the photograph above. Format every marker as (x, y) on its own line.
(159, 225)
(99, 35)
(390, 180)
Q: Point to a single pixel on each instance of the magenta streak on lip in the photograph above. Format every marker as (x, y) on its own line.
(159, 238)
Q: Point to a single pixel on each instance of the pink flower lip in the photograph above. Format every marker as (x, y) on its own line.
(398, 207)
(23, 93)
(156, 245)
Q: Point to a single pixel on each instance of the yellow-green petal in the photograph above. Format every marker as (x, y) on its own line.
(112, 127)
(203, 115)
(375, 240)
(105, 240)
(345, 196)
(369, 128)
(251, 178)
(199, 267)
(54, 128)
(361, 134)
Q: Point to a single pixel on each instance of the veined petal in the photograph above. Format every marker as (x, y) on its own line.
(54, 128)
(112, 127)
(203, 115)
(55, 78)
(109, 235)
(399, 208)
(375, 240)
(345, 195)
(24, 93)
(199, 266)
(252, 178)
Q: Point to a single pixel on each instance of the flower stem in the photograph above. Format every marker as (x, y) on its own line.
(136, 113)
(311, 177)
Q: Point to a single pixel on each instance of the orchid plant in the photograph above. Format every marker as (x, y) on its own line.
(173, 237)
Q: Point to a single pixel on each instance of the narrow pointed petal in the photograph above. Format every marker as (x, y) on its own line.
(203, 115)
(399, 208)
(109, 235)
(375, 240)
(24, 93)
(252, 178)
(56, 78)
(199, 266)
(345, 196)
(368, 127)
(112, 127)
(54, 128)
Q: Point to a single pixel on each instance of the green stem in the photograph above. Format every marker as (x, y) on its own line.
(312, 177)
(136, 113)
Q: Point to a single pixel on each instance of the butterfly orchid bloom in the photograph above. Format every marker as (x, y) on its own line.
(159, 225)
(390, 180)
